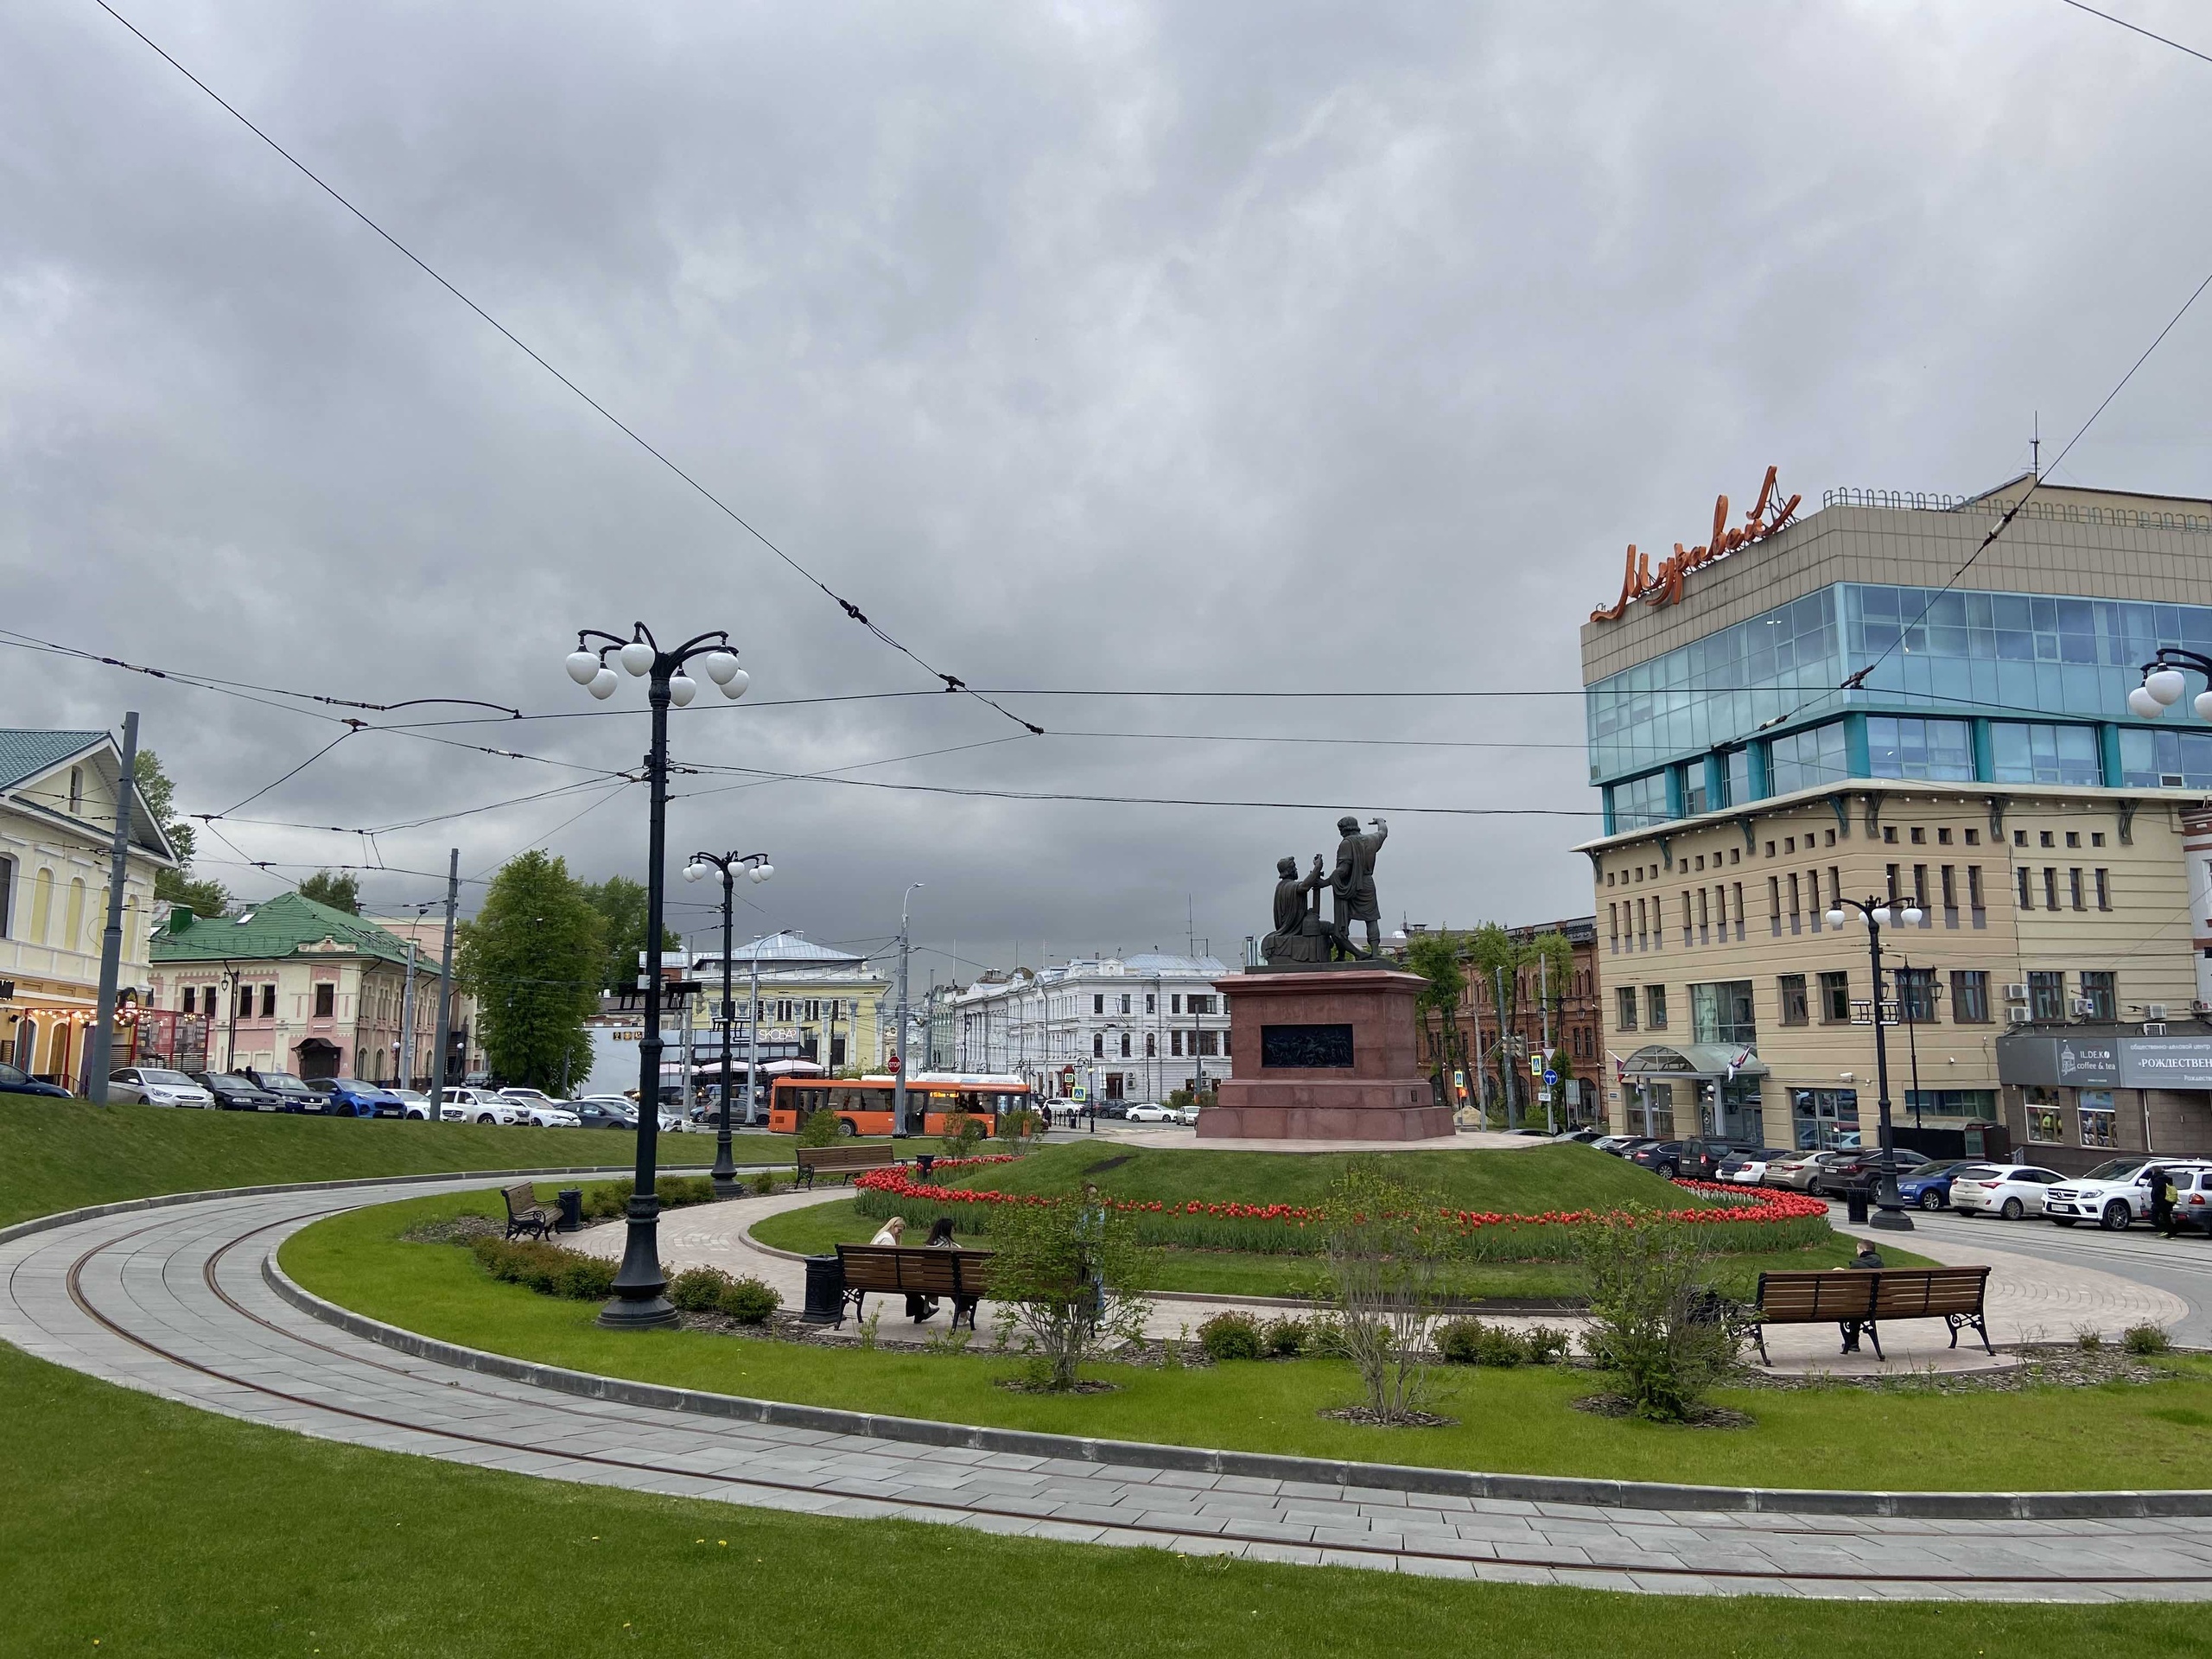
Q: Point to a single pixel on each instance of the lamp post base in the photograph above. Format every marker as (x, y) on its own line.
(640, 1302)
(1891, 1220)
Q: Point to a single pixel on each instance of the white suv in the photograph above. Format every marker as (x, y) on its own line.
(2115, 1194)
(474, 1106)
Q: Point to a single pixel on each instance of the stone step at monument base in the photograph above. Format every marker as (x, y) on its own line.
(1233, 1117)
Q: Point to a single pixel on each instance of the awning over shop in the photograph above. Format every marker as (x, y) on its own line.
(1702, 1060)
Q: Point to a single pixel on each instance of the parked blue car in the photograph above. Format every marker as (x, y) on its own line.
(350, 1097)
(1929, 1187)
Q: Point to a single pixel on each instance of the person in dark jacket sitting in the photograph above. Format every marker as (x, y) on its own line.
(1868, 1257)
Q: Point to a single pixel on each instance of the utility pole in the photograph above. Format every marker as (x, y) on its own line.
(440, 1073)
(407, 1027)
(1544, 1007)
(905, 1047)
(98, 1063)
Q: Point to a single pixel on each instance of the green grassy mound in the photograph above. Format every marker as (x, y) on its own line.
(1523, 1420)
(60, 1155)
(1206, 1199)
(1554, 1176)
(820, 1227)
(151, 1529)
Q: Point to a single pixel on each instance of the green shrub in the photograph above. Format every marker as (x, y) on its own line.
(763, 1184)
(1477, 1342)
(610, 1200)
(1546, 1344)
(698, 1290)
(1285, 1338)
(546, 1268)
(748, 1300)
(962, 1135)
(1232, 1336)
(2146, 1338)
(2088, 1338)
(822, 1128)
(1654, 1324)
(1019, 1126)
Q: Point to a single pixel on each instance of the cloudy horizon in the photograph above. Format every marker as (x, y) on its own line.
(1090, 348)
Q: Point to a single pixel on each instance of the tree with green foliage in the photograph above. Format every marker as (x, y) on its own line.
(532, 958)
(204, 898)
(1064, 1274)
(620, 903)
(1493, 951)
(339, 889)
(1435, 958)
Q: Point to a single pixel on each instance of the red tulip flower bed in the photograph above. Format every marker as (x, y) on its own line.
(1751, 1219)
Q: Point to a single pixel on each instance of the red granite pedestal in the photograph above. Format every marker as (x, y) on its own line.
(1289, 1034)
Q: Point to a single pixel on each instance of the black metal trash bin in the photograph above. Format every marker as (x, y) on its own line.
(572, 1210)
(1854, 1204)
(924, 1162)
(825, 1290)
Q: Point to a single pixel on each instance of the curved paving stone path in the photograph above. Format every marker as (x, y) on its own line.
(173, 1300)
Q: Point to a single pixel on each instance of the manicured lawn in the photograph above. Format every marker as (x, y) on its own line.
(152, 1529)
(60, 1154)
(1520, 1419)
(820, 1227)
(1553, 1177)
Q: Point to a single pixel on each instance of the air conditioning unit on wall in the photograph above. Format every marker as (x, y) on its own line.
(2016, 993)
(2154, 1010)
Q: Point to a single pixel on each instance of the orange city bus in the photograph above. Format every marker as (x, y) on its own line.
(863, 1105)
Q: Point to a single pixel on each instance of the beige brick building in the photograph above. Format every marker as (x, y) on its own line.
(1985, 766)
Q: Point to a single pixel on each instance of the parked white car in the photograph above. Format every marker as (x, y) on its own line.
(1151, 1113)
(2008, 1189)
(156, 1087)
(540, 1111)
(2115, 1194)
(462, 1105)
(417, 1103)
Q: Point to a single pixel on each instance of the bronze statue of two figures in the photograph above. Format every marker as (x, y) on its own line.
(1301, 936)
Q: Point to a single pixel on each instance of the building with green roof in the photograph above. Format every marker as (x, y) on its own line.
(292, 985)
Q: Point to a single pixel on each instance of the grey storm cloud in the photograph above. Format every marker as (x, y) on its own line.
(1202, 348)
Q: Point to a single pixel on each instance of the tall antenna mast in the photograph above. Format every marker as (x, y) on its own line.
(2035, 443)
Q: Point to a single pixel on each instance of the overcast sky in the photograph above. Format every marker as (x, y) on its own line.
(1202, 347)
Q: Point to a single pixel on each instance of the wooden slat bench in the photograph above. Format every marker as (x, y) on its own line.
(961, 1277)
(525, 1214)
(1868, 1296)
(845, 1161)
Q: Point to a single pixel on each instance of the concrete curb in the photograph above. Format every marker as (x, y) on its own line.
(1260, 1465)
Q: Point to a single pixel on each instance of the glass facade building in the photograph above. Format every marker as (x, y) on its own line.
(1966, 687)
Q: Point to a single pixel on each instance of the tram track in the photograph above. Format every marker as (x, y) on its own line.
(1388, 1550)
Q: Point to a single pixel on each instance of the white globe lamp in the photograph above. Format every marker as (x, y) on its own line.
(638, 658)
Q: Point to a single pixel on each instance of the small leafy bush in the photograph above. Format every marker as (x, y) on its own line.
(1285, 1338)
(610, 1200)
(1654, 1323)
(710, 1290)
(762, 1185)
(1546, 1344)
(2146, 1338)
(696, 1290)
(1478, 1341)
(962, 1135)
(546, 1268)
(1232, 1336)
(822, 1128)
(748, 1300)
(2088, 1338)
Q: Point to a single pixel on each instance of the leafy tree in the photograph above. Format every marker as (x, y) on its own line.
(1064, 1276)
(532, 958)
(1492, 950)
(201, 898)
(339, 889)
(1390, 1262)
(1435, 958)
(620, 903)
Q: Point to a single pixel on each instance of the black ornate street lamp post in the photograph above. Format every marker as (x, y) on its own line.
(1876, 914)
(639, 1302)
(732, 865)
